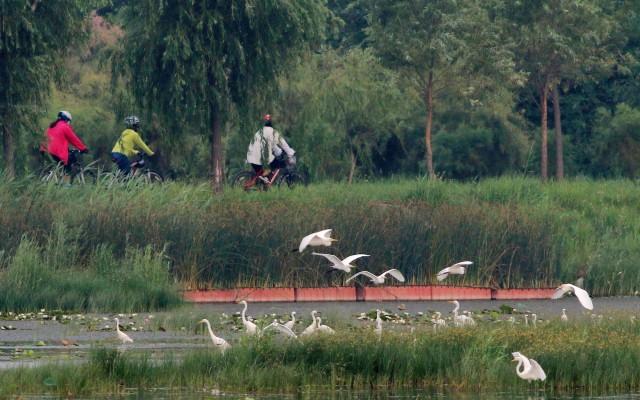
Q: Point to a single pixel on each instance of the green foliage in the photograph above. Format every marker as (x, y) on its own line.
(617, 142)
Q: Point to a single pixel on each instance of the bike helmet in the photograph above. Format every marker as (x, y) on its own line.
(65, 116)
(131, 121)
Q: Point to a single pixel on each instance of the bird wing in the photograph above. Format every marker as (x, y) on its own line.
(365, 273)
(282, 329)
(560, 291)
(325, 234)
(395, 273)
(537, 370)
(352, 258)
(442, 275)
(305, 241)
(583, 297)
(462, 263)
(333, 259)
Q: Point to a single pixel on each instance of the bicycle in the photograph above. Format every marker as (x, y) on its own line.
(283, 175)
(140, 171)
(54, 171)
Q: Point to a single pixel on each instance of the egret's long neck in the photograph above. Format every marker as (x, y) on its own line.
(456, 308)
(293, 317)
(519, 371)
(117, 325)
(244, 311)
(213, 336)
(526, 366)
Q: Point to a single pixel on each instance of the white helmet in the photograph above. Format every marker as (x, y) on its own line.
(65, 115)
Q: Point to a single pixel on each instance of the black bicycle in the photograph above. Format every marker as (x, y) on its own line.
(78, 172)
(286, 175)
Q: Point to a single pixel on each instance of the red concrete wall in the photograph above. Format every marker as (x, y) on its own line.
(390, 293)
(326, 294)
(460, 293)
(521, 294)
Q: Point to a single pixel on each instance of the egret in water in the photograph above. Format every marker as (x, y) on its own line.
(438, 321)
(378, 328)
(282, 329)
(323, 328)
(311, 329)
(251, 328)
(531, 370)
(455, 269)
(218, 342)
(564, 317)
(342, 265)
(379, 280)
(534, 318)
(123, 337)
(321, 238)
(581, 294)
(292, 323)
(460, 320)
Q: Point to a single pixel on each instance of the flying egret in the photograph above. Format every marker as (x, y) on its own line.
(321, 238)
(282, 329)
(379, 280)
(564, 317)
(218, 342)
(292, 323)
(581, 294)
(123, 337)
(311, 329)
(378, 328)
(323, 328)
(455, 269)
(252, 329)
(531, 370)
(342, 265)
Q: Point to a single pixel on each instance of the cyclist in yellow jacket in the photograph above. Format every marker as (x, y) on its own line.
(128, 145)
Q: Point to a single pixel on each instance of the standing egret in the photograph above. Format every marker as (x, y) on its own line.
(323, 328)
(455, 269)
(379, 280)
(378, 328)
(581, 294)
(564, 317)
(342, 265)
(438, 321)
(218, 342)
(123, 337)
(531, 370)
(534, 318)
(321, 238)
(311, 329)
(526, 320)
(460, 320)
(281, 328)
(252, 329)
(292, 323)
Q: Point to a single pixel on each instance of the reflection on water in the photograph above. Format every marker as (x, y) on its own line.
(163, 394)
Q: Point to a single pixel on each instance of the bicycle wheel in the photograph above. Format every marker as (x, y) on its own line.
(293, 179)
(84, 177)
(150, 176)
(52, 174)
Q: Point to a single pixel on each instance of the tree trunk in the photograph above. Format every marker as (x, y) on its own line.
(557, 126)
(8, 151)
(543, 128)
(217, 161)
(427, 134)
(352, 170)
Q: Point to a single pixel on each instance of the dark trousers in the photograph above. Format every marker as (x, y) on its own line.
(122, 162)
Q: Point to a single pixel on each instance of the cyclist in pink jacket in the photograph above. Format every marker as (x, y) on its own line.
(60, 135)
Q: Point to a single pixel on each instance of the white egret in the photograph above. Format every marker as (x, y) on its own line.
(123, 337)
(531, 370)
(342, 265)
(321, 238)
(311, 329)
(438, 321)
(323, 328)
(526, 320)
(581, 294)
(292, 323)
(534, 318)
(378, 328)
(564, 317)
(379, 280)
(218, 342)
(282, 329)
(460, 320)
(252, 329)
(455, 269)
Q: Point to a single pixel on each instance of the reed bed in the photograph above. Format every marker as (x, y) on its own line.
(579, 357)
(518, 231)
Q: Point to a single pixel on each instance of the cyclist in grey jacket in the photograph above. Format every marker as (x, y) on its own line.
(267, 147)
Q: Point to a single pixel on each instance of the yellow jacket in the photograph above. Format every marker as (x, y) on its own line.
(129, 142)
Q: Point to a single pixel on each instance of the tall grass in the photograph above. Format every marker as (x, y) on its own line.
(518, 231)
(58, 276)
(577, 357)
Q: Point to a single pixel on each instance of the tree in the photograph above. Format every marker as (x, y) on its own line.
(555, 40)
(191, 62)
(34, 36)
(437, 45)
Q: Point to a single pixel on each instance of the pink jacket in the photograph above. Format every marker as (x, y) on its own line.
(58, 139)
